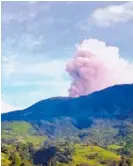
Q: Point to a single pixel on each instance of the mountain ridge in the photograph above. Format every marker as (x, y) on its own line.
(92, 126)
(112, 102)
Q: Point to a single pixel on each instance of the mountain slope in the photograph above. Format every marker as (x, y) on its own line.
(96, 129)
(114, 102)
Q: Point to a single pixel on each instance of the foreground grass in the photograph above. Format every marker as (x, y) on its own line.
(114, 147)
(92, 156)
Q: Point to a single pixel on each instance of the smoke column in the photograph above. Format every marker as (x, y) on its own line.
(96, 66)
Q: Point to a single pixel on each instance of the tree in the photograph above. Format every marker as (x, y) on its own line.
(102, 133)
(15, 158)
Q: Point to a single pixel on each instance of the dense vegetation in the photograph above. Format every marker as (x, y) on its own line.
(94, 130)
(101, 144)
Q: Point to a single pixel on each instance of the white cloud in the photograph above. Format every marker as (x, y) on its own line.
(22, 72)
(41, 92)
(38, 95)
(113, 14)
(6, 18)
(84, 25)
(58, 84)
(11, 66)
(41, 6)
(54, 69)
(5, 107)
(31, 10)
(17, 17)
(29, 41)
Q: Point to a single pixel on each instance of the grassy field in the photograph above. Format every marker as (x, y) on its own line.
(83, 154)
(22, 131)
(91, 156)
(114, 147)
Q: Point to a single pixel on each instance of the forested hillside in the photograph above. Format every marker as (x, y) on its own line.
(93, 130)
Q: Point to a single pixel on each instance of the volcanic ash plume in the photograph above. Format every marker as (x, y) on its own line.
(96, 66)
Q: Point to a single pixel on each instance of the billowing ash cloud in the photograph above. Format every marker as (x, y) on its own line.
(96, 66)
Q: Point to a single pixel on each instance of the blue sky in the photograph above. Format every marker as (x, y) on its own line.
(38, 38)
